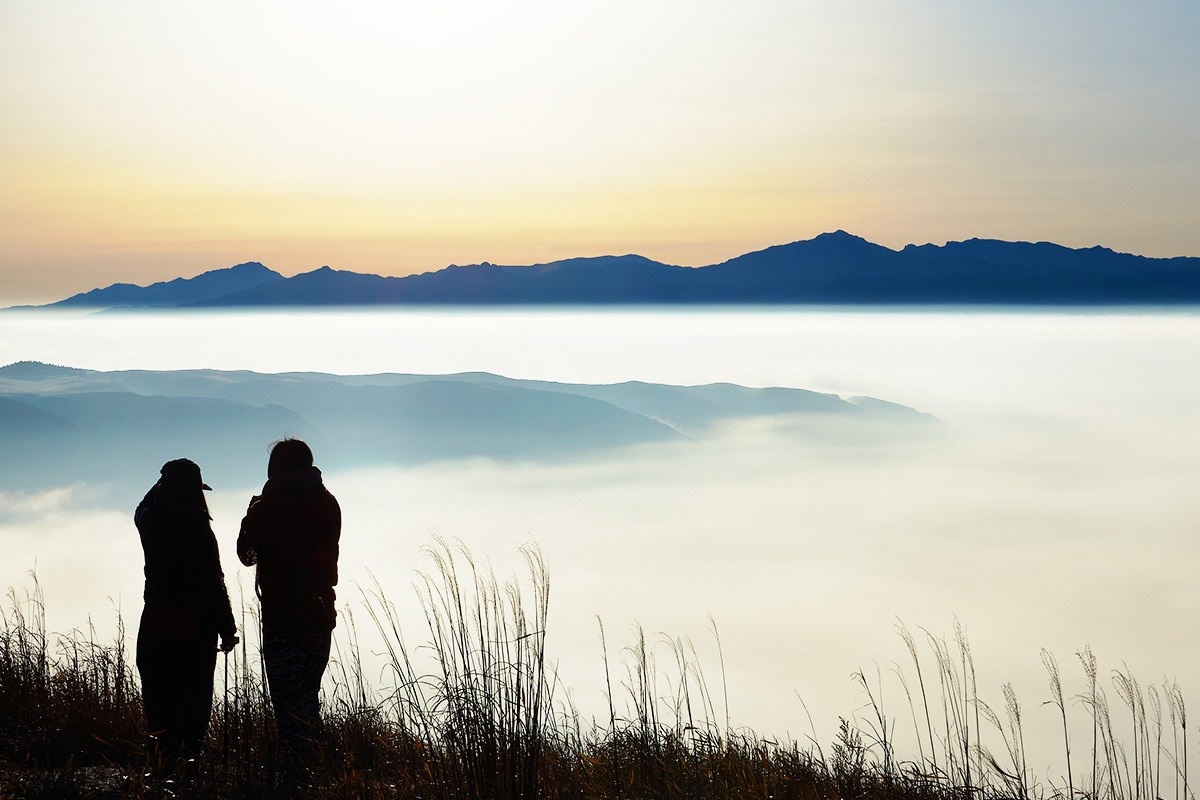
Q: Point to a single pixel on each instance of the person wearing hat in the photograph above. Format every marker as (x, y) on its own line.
(186, 610)
(291, 534)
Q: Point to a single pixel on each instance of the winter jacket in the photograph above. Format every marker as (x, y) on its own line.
(291, 532)
(185, 589)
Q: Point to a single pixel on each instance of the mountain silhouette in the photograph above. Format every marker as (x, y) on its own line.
(59, 425)
(180, 291)
(833, 268)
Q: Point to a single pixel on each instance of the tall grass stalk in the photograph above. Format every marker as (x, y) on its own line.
(1091, 699)
(1178, 713)
(911, 644)
(476, 710)
(1056, 698)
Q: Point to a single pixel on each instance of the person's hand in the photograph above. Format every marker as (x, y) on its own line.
(228, 643)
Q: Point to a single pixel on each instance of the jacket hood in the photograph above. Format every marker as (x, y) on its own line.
(305, 479)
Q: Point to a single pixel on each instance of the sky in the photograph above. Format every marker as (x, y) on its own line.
(140, 142)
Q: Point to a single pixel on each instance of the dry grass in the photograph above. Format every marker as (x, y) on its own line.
(485, 717)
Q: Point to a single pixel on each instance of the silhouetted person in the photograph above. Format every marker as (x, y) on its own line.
(186, 609)
(291, 533)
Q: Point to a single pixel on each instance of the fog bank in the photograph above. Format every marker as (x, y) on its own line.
(1057, 510)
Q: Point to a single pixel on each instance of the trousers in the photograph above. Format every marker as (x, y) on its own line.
(295, 661)
(177, 685)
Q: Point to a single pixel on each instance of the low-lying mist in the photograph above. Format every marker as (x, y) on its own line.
(1055, 509)
(805, 541)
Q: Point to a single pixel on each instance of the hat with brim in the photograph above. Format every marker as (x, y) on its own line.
(183, 472)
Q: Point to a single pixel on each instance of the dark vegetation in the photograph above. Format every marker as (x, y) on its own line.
(484, 716)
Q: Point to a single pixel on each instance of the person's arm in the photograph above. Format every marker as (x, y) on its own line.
(335, 544)
(247, 541)
(147, 503)
(216, 595)
(324, 564)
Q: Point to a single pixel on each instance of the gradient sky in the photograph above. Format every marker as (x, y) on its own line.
(142, 141)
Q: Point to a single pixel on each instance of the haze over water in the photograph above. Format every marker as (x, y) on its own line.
(1058, 509)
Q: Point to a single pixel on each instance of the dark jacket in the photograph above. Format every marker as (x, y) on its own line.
(291, 532)
(185, 589)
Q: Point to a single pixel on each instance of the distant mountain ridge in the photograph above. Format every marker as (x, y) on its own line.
(207, 286)
(59, 425)
(832, 268)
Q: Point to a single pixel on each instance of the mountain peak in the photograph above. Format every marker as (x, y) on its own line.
(168, 294)
(833, 244)
(842, 239)
(35, 370)
(838, 236)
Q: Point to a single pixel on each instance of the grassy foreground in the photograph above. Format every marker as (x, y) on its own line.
(484, 716)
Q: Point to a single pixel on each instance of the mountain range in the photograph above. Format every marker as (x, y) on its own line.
(832, 268)
(60, 425)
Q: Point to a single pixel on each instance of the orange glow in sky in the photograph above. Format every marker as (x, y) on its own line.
(140, 143)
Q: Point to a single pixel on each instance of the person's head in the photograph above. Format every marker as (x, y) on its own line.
(181, 480)
(287, 455)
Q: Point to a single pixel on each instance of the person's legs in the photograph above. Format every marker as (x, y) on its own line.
(177, 691)
(157, 664)
(196, 693)
(295, 663)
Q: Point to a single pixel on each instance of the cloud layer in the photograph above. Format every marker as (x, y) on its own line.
(1057, 510)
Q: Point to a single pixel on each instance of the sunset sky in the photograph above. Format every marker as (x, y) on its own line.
(143, 141)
